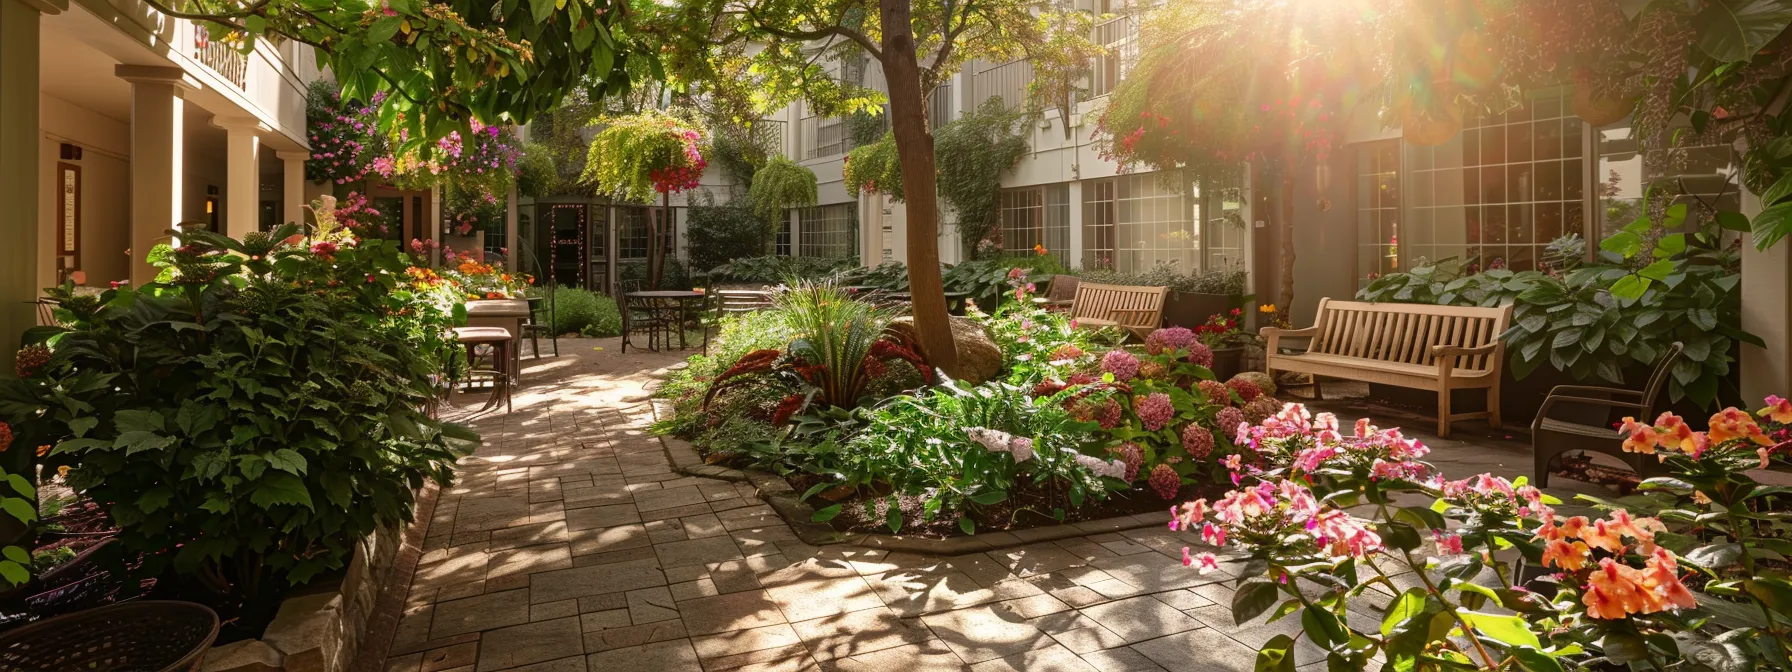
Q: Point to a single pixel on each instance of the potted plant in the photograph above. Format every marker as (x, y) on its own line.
(1228, 341)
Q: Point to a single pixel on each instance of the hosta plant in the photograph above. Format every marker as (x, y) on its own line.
(249, 417)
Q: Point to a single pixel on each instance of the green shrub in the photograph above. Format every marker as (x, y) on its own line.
(738, 335)
(718, 234)
(248, 421)
(675, 275)
(775, 269)
(580, 311)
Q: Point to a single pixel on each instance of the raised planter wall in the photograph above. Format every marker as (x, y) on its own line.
(1190, 310)
(319, 631)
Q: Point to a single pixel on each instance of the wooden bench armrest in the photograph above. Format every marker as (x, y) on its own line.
(1272, 336)
(1457, 350)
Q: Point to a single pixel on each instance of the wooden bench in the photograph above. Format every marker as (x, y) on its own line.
(1139, 310)
(1438, 348)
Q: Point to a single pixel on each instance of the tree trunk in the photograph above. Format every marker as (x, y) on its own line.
(656, 247)
(1286, 300)
(914, 151)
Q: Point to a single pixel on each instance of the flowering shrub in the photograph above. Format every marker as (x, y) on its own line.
(479, 280)
(1223, 332)
(1619, 588)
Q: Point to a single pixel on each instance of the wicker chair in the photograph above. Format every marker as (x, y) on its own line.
(1577, 417)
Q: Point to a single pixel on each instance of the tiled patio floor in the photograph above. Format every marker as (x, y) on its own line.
(569, 544)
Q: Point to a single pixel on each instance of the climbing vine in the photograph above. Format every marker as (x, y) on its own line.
(972, 153)
(873, 168)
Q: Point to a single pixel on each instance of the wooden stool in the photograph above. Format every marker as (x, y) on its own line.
(501, 342)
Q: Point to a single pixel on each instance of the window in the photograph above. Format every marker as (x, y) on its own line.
(783, 241)
(830, 231)
(632, 231)
(1377, 210)
(1098, 224)
(1032, 217)
(1497, 194)
(1118, 35)
(1227, 236)
(1703, 177)
(1153, 224)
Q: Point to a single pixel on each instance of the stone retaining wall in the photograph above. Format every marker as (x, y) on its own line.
(318, 631)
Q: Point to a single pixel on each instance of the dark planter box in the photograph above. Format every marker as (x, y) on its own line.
(1227, 363)
(1190, 310)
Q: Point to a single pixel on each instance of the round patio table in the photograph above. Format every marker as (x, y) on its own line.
(651, 297)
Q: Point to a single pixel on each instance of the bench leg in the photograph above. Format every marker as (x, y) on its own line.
(1443, 413)
(1493, 405)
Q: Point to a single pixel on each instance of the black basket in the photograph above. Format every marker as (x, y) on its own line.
(148, 636)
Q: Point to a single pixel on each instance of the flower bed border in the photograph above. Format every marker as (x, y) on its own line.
(782, 498)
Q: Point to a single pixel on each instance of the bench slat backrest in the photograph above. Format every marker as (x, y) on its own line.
(1404, 333)
(1100, 301)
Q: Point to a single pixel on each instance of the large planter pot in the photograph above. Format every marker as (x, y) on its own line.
(1190, 310)
(1227, 363)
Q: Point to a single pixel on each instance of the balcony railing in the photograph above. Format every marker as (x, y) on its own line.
(220, 56)
(1120, 36)
(822, 136)
(1008, 80)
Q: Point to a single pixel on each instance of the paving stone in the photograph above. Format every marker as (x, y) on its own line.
(483, 612)
(668, 656)
(573, 664)
(1049, 659)
(929, 656)
(449, 657)
(553, 586)
(1123, 547)
(605, 602)
(693, 589)
(651, 605)
(793, 658)
(601, 516)
(724, 613)
(915, 593)
(490, 513)
(824, 597)
(1085, 640)
(552, 532)
(529, 643)
(745, 641)
(599, 540)
(1183, 599)
(668, 498)
(1201, 650)
(1121, 660)
(733, 576)
(696, 551)
(613, 557)
(524, 561)
(552, 610)
(706, 525)
(1140, 618)
(860, 632)
(985, 633)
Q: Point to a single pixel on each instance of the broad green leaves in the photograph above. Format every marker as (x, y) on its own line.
(1733, 30)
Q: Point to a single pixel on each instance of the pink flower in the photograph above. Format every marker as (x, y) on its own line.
(324, 248)
(1213, 534)
(1197, 441)
(1130, 454)
(1200, 354)
(1206, 562)
(1229, 419)
(1246, 390)
(1154, 410)
(1448, 544)
(1121, 363)
(1165, 481)
(1170, 340)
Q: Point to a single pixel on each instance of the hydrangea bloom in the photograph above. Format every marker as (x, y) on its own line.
(1134, 458)
(1170, 339)
(1155, 410)
(997, 441)
(1102, 468)
(1247, 390)
(1217, 393)
(1165, 481)
(1228, 419)
(1121, 363)
(1152, 370)
(1199, 353)
(1197, 441)
(1109, 414)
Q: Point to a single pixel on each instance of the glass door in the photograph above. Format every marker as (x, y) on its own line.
(566, 232)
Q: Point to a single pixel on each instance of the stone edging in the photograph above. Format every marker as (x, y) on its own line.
(777, 492)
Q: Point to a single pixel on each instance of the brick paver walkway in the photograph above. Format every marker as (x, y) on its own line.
(569, 544)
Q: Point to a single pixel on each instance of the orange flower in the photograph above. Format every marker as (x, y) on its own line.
(1779, 409)
(1673, 432)
(1731, 424)
(1641, 438)
(1613, 591)
(1568, 556)
(1661, 581)
(1039, 250)
(1643, 530)
(1570, 529)
(1603, 536)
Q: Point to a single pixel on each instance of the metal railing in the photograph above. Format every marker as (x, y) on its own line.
(220, 56)
(822, 136)
(1120, 36)
(1008, 80)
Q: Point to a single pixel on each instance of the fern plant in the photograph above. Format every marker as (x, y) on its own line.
(779, 185)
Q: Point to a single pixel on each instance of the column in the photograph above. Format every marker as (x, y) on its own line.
(796, 232)
(1766, 312)
(242, 165)
(157, 155)
(19, 43)
(292, 196)
(1073, 257)
(431, 228)
(511, 253)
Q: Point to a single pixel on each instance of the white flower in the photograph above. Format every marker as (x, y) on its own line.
(995, 441)
(1116, 469)
(1021, 448)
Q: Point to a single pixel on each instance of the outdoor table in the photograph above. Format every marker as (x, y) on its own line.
(505, 314)
(683, 297)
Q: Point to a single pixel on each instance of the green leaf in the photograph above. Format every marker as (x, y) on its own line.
(1251, 600)
(1771, 225)
(825, 515)
(382, 30)
(80, 426)
(155, 499)
(279, 488)
(1733, 221)
(22, 486)
(1408, 605)
(1535, 660)
(1623, 647)
(989, 497)
(893, 515)
(1776, 192)
(1629, 288)
(1715, 556)
(255, 24)
(1733, 30)
(136, 420)
(1322, 626)
(541, 9)
(967, 525)
(1277, 655)
(287, 460)
(1508, 630)
(16, 554)
(136, 442)
(14, 573)
(19, 508)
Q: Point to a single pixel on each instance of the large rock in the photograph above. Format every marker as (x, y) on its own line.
(978, 357)
(1263, 381)
(248, 655)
